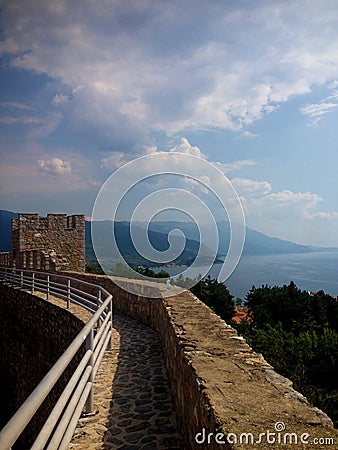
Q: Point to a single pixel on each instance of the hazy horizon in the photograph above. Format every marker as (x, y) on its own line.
(251, 87)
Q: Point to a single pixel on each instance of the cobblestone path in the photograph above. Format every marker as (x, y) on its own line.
(135, 410)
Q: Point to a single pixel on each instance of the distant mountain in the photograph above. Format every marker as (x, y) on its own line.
(126, 247)
(256, 243)
(6, 230)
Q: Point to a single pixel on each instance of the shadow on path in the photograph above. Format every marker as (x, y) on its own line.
(141, 414)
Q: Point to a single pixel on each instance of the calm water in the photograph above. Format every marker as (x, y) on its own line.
(310, 271)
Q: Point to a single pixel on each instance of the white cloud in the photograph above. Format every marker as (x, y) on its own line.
(15, 105)
(289, 215)
(325, 215)
(16, 113)
(317, 111)
(247, 187)
(288, 196)
(234, 66)
(185, 147)
(249, 134)
(55, 166)
(60, 99)
(121, 75)
(95, 183)
(26, 120)
(235, 165)
(202, 185)
(114, 161)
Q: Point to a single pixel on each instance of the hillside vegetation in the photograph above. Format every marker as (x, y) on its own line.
(297, 332)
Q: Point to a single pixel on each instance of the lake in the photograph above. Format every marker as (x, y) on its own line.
(310, 271)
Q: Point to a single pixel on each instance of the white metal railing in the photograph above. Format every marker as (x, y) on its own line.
(59, 427)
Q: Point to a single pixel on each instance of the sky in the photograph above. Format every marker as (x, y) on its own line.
(251, 87)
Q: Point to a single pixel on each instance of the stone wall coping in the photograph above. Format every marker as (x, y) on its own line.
(231, 388)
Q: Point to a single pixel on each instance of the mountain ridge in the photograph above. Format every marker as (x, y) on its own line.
(256, 243)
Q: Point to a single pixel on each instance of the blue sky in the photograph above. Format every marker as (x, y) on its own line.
(250, 86)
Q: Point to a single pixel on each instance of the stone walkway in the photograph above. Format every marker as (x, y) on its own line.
(135, 410)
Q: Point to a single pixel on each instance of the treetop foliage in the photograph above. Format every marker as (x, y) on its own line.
(297, 310)
(297, 332)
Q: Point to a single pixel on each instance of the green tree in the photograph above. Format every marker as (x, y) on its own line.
(91, 267)
(217, 296)
(297, 333)
(150, 273)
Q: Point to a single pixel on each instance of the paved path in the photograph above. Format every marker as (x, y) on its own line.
(135, 411)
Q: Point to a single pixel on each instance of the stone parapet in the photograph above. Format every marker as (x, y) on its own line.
(55, 242)
(226, 395)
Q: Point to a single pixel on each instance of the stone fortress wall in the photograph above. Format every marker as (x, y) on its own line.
(219, 384)
(51, 243)
(33, 335)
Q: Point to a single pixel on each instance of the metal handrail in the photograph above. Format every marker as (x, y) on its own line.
(59, 427)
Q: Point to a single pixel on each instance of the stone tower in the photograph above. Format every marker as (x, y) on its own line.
(52, 243)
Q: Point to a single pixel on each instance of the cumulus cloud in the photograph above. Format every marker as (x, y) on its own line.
(125, 81)
(291, 215)
(55, 166)
(288, 197)
(185, 147)
(247, 187)
(115, 81)
(114, 161)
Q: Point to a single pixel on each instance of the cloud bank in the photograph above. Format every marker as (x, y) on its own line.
(123, 69)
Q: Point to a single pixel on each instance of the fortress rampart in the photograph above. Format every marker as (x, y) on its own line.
(219, 384)
(33, 335)
(52, 243)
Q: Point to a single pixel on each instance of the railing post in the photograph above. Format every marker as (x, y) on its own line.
(110, 310)
(21, 279)
(98, 302)
(68, 293)
(98, 298)
(89, 346)
(33, 278)
(47, 293)
(12, 278)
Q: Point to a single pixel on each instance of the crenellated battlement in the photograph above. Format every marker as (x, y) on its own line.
(51, 222)
(55, 242)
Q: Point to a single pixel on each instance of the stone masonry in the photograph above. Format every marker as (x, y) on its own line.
(52, 243)
(220, 386)
(33, 335)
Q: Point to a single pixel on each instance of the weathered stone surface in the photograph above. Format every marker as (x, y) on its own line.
(51, 243)
(218, 383)
(33, 335)
(134, 345)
